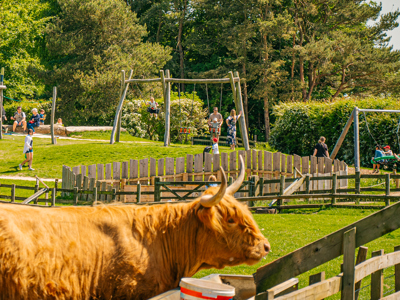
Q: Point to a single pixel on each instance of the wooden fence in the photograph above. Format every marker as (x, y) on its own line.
(127, 175)
(273, 276)
(207, 141)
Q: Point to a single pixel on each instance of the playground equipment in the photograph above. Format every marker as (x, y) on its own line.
(166, 80)
(355, 117)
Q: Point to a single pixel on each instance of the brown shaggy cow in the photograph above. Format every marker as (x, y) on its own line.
(123, 252)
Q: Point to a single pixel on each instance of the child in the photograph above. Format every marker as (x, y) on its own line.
(215, 146)
(153, 110)
(59, 122)
(211, 178)
(378, 153)
(34, 121)
(42, 116)
(28, 151)
(215, 125)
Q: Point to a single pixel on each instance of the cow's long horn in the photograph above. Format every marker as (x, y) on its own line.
(234, 187)
(209, 201)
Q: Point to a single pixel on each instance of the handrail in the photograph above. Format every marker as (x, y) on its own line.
(375, 264)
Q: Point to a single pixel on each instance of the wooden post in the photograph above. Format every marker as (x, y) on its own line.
(358, 182)
(118, 134)
(356, 140)
(397, 181)
(349, 249)
(13, 193)
(36, 189)
(334, 187)
(157, 189)
(75, 195)
(242, 120)
(2, 87)
(361, 257)
(307, 186)
(94, 195)
(281, 189)
(139, 192)
(387, 179)
(377, 280)
(119, 108)
(261, 184)
(52, 117)
(397, 273)
(342, 136)
(53, 197)
(114, 196)
(167, 105)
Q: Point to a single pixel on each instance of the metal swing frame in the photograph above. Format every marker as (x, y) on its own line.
(355, 117)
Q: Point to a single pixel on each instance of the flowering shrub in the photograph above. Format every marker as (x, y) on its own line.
(184, 112)
(299, 125)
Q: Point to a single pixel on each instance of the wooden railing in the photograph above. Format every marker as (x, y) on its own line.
(342, 242)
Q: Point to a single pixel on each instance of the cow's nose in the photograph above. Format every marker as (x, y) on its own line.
(267, 247)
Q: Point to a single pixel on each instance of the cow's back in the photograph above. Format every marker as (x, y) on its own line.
(73, 252)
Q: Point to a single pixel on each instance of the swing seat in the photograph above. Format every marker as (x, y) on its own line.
(184, 130)
(153, 111)
(214, 130)
(384, 160)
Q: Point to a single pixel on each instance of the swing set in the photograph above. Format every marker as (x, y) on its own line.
(389, 160)
(166, 80)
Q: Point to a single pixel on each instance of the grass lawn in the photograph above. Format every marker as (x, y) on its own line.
(48, 159)
(290, 231)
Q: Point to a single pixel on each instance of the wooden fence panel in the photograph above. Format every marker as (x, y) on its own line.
(180, 168)
(153, 167)
(125, 170)
(254, 161)
(276, 157)
(336, 165)
(297, 162)
(116, 170)
(108, 172)
(92, 171)
(313, 164)
(75, 170)
(267, 167)
(232, 164)
(224, 161)
(133, 169)
(83, 170)
(289, 165)
(169, 167)
(305, 165)
(208, 163)
(160, 169)
(100, 172)
(248, 163)
(243, 154)
(189, 166)
(216, 162)
(328, 172)
(144, 170)
(321, 165)
(198, 166)
(260, 163)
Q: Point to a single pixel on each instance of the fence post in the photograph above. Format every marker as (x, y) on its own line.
(377, 280)
(76, 195)
(139, 192)
(307, 186)
(53, 197)
(397, 273)
(349, 251)
(358, 183)
(396, 180)
(252, 190)
(387, 201)
(13, 193)
(334, 187)
(114, 196)
(157, 189)
(361, 257)
(95, 195)
(36, 190)
(261, 185)
(281, 189)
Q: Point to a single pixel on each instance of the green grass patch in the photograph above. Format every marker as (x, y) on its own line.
(106, 135)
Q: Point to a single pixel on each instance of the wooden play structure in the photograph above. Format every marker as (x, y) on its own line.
(166, 80)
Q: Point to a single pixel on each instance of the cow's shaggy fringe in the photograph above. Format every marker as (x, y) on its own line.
(119, 252)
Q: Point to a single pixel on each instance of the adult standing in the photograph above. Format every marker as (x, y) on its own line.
(220, 120)
(28, 151)
(321, 149)
(231, 122)
(19, 119)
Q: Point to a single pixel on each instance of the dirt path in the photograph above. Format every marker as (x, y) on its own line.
(26, 178)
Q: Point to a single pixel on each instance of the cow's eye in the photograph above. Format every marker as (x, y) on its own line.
(231, 221)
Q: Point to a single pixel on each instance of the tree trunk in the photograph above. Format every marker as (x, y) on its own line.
(266, 118)
(245, 99)
(301, 66)
(311, 80)
(179, 45)
(292, 68)
(158, 32)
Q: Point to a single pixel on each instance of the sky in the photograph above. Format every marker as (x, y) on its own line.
(388, 6)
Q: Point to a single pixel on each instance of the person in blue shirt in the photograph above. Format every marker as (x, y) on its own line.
(378, 153)
(35, 120)
(211, 178)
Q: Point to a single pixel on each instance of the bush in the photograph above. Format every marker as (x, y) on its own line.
(185, 112)
(27, 107)
(299, 125)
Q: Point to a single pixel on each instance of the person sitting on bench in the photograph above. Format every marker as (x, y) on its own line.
(19, 119)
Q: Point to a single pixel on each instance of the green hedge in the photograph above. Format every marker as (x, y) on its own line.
(299, 125)
(27, 107)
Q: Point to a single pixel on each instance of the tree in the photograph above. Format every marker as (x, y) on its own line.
(89, 43)
(21, 33)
